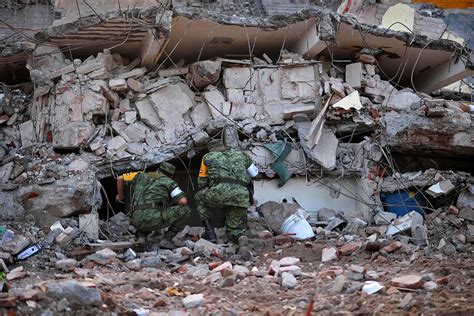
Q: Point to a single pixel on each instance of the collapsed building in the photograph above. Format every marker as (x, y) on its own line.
(343, 107)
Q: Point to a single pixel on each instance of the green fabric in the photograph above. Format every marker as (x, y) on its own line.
(232, 198)
(152, 219)
(149, 189)
(280, 150)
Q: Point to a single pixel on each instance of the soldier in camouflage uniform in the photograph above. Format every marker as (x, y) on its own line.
(225, 180)
(156, 202)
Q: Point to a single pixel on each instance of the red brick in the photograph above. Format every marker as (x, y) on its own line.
(392, 247)
(410, 281)
(349, 248)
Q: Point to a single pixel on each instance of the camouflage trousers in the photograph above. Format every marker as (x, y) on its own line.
(153, 219)
(235, 216)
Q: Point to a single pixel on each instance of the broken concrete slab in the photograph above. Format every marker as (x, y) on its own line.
(447, 135)
(324, 152)
(118, 85)
(135, 73)
(76, 293)
(27, 132)
(89, 224)
(384, 218)
(6, 172)
(240, 78)
(218, 106)
(64, 198)
(441, 188)
(352, 101)
(299, 82)
(329, 254)
(404, 223)
(178, 97)
(354, 75)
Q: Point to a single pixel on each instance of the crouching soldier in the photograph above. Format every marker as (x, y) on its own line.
(156, 202)
(225, 182)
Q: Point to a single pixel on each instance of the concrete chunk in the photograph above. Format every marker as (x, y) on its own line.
(350, 101)
(135, 73)
(66, 236)
(135, 85)
(239, 78)
(136, 132)
(119, 85)
(354, 75)
(288, 280)
(290, 110)
(193, 301)
(89, 67)
(329, 254)
(89, 224)
(27, 133)
(15, 245)
(101, 73)
(289, 261)
(58, 73)
(117, 143)
(324, 152)
(384, 218)
(130, 117)
(440, 188)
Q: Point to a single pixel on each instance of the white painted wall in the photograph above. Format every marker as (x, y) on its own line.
(312, 196)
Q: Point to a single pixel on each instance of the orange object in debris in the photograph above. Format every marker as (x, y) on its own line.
(173, 291)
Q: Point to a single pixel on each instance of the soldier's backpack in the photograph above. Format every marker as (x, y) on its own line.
(141, 184)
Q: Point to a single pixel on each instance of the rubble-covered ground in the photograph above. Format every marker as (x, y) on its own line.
(274, 276)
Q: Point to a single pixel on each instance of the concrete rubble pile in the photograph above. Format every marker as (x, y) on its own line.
(401, 245)
(111, 110)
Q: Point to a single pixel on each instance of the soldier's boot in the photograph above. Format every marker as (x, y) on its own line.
(209, 233)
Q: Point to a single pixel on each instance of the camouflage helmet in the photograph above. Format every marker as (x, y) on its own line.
(167, 168)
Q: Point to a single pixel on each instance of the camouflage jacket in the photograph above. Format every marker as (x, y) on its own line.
(154, 187)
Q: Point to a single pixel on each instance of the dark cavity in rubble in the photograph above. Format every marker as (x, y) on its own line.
(186, 175)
